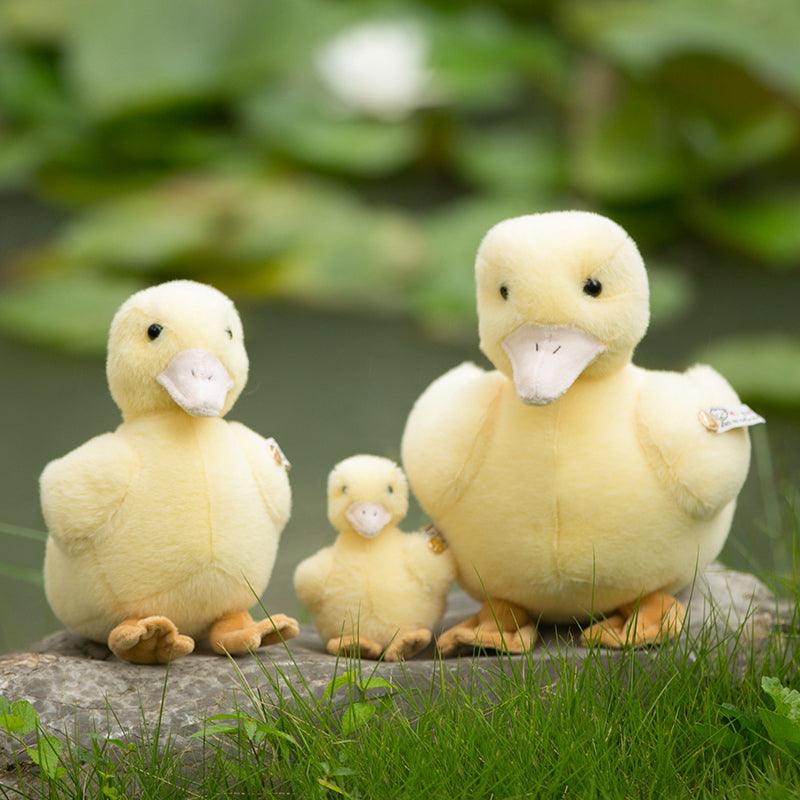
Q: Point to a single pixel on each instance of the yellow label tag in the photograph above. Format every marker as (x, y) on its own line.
(436, 542)
(277, 454)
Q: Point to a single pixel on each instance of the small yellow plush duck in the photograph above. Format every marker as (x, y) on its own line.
(568, 482)
(376, 590)
(166, 530)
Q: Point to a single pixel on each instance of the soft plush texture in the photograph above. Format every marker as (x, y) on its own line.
(575, 505)
(172, 521)
(376, 590)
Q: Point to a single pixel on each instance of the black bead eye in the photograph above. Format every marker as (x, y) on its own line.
(344, 489)
(504, 292)
(592, 287)
(229, 332)
(154, 330)
(391, 489)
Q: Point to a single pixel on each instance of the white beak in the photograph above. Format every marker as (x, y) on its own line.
(368, 519)
(547, 360)
(197, 382)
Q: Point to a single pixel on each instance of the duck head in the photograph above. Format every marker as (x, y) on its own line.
(366, 495)
(179, 345)
(561, 295)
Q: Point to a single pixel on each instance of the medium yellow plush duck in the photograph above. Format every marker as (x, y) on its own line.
(166, 530)
(568, 482)
(376, 590)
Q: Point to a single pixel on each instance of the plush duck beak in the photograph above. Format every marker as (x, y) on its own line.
(547, 360)
(368, 519)
(197, 382)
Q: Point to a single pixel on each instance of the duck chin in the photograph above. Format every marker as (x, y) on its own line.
(197, 381)
(547, 360)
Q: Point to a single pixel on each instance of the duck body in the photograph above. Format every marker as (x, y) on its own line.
(167, 528)
(561, 508)
(376, 589)
(193, 535)
(568, 481)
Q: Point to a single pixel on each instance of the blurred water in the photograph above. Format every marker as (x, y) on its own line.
(325, 386)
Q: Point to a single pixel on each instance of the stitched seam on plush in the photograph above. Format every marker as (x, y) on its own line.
(209, 511)
(484, 431)
(264, 499)
(650, 448)
(93, 541)
(556, 508)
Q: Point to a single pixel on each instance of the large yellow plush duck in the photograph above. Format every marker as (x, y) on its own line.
(569, 482)
(376, 590)
(166, 529)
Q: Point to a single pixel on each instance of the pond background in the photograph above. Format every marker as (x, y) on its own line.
(334, 166)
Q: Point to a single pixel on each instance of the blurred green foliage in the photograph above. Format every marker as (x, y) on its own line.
(224, 141)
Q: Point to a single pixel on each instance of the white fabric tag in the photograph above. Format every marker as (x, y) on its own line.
(277, 454)
(719, 420)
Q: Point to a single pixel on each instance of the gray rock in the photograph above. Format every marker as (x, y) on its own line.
(79, 687)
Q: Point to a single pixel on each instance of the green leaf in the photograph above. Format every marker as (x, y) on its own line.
(46, 754)
(345, 679)
(124, 57)
(37, 21)
(672, 293)
(27, 574)
(19, 717)
(786, 700)
(762, 369)
(355, 716)
(765, 226)
(627, 150)
(70, 312)
(352, 257)
(218, 729)
(642, 34)
(376, 682)
(332, 787)
(304, 131)
(722, 736)
(511, 161)
(480, 59)
(783, 733)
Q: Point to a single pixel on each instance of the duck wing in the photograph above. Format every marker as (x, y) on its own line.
(269, 467)
(82, 491)
(311, 577)
(444, 440)
(703, 470)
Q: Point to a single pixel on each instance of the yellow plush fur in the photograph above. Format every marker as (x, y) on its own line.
(612, 491)
(171, 514)
(388, 591)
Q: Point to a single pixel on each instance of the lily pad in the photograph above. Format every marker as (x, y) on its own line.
(627, 150)
(642, 34)
(69, 312)
(762, 368)
(125, 57)
(316, 136)
(765, 227)
(511, 160)
(479, 58)
(672, 292)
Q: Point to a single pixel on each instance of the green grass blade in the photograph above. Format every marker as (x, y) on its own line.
(23, 533)
(26, 574)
